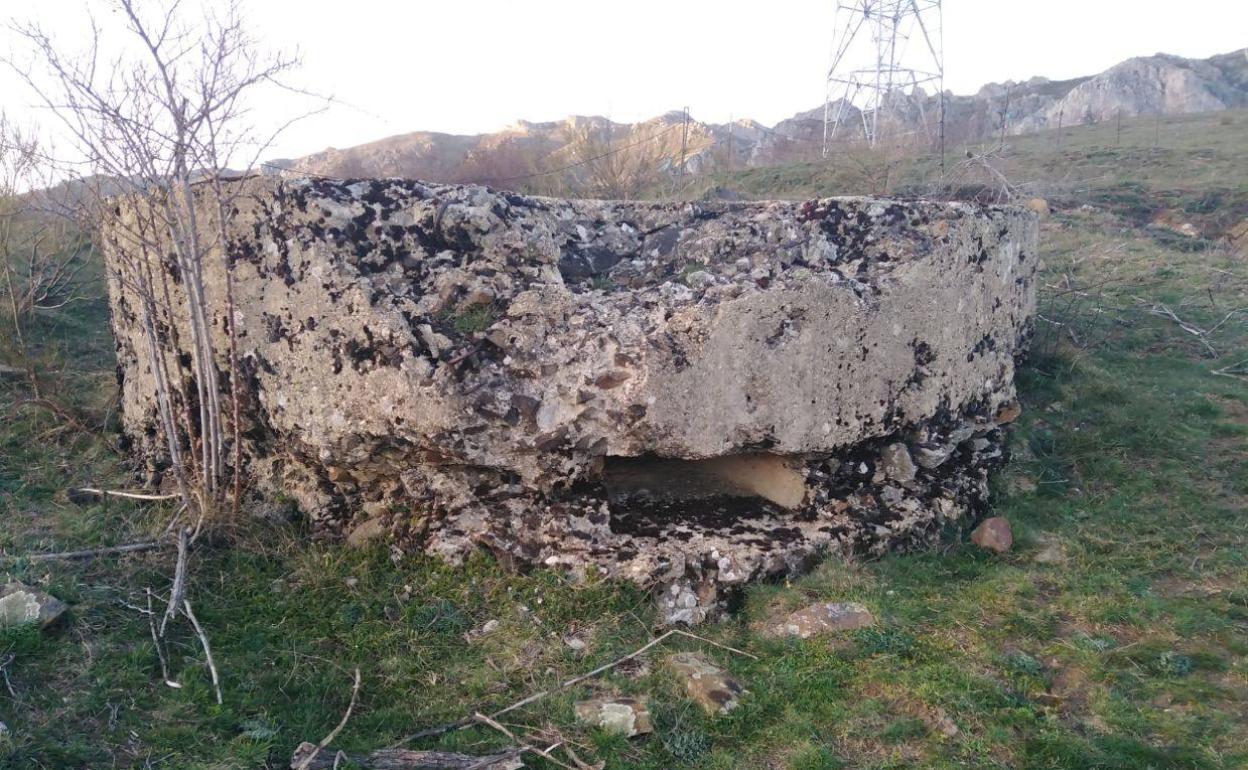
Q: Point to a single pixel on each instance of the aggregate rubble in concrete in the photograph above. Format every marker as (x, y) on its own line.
(687, 395)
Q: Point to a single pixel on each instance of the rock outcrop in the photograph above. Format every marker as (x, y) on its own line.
(1160, 84)
(690, 395)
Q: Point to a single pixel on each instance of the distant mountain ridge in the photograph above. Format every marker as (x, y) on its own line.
(538, 155)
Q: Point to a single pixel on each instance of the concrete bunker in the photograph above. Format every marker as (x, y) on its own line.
(688, 395)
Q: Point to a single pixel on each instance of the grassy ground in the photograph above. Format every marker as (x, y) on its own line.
(1115, 635)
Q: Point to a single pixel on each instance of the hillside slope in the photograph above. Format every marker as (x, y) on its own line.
(535, 156)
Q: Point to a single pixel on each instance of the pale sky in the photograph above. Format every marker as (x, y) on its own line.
(468, 66)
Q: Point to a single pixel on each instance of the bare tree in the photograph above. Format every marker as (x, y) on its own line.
(162, 127)
(620, 168)
(164, 123)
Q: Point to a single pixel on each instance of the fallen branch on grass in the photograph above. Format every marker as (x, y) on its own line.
(1162, 310)
(1238, 370)
(466, 721)
(305, 762)
(212, 666)
(544, 753)
(94, 495)
(307, 757)
(89, 553)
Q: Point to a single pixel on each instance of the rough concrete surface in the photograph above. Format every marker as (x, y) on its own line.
(689, 395)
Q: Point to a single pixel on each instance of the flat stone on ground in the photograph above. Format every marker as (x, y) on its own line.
(623, 716)
(21, 604)
(708, 685)
(822, 618)
(994, 535)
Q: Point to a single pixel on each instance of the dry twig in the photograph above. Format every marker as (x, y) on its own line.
(402, 759)
(89, 553)
(99, 494)
(465, 722)
(212, 666)
(306, 762)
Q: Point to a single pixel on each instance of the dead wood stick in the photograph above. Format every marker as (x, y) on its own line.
(160, 650)
(545, 753)
(466, 721)
(82, 494)
(178, 590)
(403, 759)
(212, 666)
(88, 553)
(306, 761)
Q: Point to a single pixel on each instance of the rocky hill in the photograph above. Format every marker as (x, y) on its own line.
(595, 156)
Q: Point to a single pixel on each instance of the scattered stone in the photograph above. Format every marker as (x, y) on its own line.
(624, 716)
(993, 535)
(352, 582)
(823, 618)
(575, 643)
(708, 685)
(21, 604)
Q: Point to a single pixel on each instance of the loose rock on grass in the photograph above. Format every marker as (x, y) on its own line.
(708, 685)
(21, 604)
(624, 716)
(994, 535)
(822, 618)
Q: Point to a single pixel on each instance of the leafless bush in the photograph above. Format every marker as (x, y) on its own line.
(618, 168)
(41, 256)
(872, 170)
(168, 115)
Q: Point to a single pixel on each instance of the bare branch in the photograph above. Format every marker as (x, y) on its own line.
(306, 761)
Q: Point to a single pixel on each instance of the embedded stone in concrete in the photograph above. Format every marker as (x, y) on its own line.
(688, 395)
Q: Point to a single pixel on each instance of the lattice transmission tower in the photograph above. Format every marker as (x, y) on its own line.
(882, 51)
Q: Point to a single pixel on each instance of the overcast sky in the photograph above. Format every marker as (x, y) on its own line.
(468, 66)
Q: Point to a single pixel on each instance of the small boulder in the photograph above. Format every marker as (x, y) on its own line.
(21, 604)
(994, 535)
(708, 685)
(623, 716)
(822, 618)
